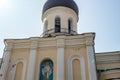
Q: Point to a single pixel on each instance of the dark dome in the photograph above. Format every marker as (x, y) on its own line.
(66, 3)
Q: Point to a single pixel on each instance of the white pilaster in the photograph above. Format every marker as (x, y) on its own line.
(60, 64)
(60, 60)
(32, 61)
(5, 62)
(91, 57)
(91, 62)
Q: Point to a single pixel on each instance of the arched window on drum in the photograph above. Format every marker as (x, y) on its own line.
(57, 24)
(70, 25)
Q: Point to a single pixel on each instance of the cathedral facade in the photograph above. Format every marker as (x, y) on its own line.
(60, 53)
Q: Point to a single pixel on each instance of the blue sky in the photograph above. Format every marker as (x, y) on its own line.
(22, 19)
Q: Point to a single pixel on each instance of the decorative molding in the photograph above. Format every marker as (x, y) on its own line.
(82, 66)
(75, 43)
(75, 46)
(108, 54)
(60, 42)
(34, 45)
(76, 49)
(89, 41)
(24, 40)
(39, 39)
(110, 62)
(50, 45)
(110, 72)
(109, 59)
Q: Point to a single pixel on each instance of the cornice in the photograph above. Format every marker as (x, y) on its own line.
(49, 38)
(33, 42)
(107, 53)
(101, 60)
(110, 72)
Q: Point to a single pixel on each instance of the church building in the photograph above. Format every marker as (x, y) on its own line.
(60, 53)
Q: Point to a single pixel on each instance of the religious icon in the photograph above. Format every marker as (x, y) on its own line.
(46, 70)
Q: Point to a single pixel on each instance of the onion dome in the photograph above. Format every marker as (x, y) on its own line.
(65, 3)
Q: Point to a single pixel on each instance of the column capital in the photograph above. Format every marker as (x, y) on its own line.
(8, 48)
(8, 45)
(89, 41)
(34, 44)
(60, 43)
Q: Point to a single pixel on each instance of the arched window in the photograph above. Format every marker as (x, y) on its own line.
(70, 25)
(46, 70)
(45, 25)
(57, 24)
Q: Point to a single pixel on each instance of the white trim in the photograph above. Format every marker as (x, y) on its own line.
(91, 63)
(49, 39)
(82, 66)
(4, 67)
(13, 69)
(60, 64)
(49, 45)
(75, 43)
(111, 72)
(31, 65)
(108, 59)
(114, 53)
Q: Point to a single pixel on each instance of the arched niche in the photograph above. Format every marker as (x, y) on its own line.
(18, 69)
(46, 70)
(77, 59)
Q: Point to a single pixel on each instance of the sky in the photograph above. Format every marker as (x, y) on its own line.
(21, 19)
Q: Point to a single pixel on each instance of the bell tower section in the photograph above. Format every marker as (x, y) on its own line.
(59, 17)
